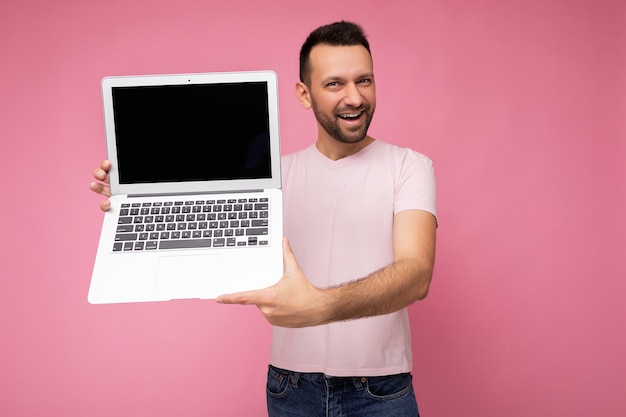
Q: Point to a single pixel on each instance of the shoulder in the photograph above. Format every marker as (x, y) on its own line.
(401, 157)
(413, 177)
(295, 162)
(290, 157)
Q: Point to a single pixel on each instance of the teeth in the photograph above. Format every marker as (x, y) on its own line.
(349, 116)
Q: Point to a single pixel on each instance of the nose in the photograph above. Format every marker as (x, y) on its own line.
(353, 96)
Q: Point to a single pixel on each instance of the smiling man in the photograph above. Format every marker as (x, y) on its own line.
(360, 215)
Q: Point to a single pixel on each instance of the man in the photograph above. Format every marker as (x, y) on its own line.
(360, 216)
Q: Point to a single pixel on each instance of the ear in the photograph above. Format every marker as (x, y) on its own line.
(303, 94)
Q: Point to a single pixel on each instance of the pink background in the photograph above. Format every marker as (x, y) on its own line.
(521, 104)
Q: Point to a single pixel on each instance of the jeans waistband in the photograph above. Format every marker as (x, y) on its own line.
(295, 377)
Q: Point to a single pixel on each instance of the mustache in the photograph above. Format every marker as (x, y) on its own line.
(351, 109)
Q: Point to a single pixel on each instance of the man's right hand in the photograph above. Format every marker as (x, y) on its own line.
(101, 186)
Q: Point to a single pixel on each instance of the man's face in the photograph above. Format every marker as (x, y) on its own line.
(342, 91)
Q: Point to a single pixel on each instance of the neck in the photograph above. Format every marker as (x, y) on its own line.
(335, 150)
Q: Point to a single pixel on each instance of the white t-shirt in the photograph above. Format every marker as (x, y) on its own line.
(338, 216)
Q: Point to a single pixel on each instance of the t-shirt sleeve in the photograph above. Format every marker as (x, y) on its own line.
(415, 184)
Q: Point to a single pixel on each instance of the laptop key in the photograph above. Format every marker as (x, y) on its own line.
(185, 244)
(125, 228)
(123, 237)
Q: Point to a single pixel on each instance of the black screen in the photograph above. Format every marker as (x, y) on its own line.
(192, 132)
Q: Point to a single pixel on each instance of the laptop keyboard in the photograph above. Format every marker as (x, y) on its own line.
(192, 224)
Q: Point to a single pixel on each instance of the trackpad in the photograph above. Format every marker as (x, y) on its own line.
(188, 276)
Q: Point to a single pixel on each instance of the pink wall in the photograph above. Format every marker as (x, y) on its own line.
(521, 105)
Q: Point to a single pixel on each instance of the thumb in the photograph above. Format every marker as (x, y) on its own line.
(289, 258)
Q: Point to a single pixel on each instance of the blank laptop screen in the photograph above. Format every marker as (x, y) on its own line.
(199, 132)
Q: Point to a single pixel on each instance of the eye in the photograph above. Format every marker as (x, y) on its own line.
(365, 81)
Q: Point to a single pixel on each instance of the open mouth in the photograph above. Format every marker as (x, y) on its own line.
(350, 116)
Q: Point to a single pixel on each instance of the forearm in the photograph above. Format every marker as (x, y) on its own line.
(295, 302)
(382, 292)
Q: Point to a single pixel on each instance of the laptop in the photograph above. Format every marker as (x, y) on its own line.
(196, 205)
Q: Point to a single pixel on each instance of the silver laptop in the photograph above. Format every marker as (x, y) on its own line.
(196, 206)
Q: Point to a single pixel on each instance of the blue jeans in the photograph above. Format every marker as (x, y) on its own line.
(293, 394)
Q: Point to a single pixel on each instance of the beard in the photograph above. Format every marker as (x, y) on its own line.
(332, 126)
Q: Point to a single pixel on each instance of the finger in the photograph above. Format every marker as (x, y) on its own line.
(244, 298)
(105, 165)
(104, 190)
(101, 175)
(289, 259)
(96, 187)
(102, 172)
(105, 205)
(287, 252)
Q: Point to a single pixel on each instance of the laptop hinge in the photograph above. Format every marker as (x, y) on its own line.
(194, 193)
